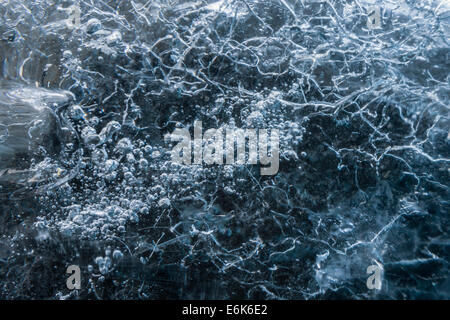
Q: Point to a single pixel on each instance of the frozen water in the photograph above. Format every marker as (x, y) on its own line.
(364, 138)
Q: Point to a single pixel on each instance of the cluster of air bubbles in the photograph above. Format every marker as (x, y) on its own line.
(362, 115)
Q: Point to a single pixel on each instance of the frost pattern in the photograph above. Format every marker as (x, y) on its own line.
(365, 146)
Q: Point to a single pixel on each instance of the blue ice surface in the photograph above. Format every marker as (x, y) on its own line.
(364, 149)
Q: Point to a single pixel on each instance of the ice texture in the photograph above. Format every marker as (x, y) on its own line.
(363, 115)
